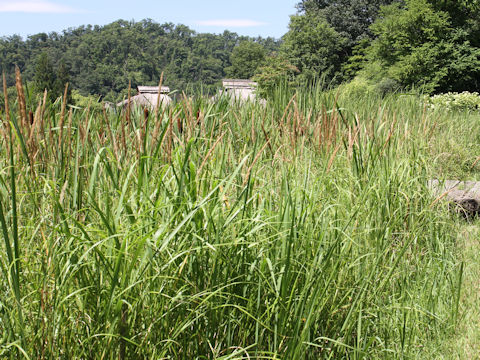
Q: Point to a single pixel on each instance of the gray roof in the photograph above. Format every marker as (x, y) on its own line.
(239, 84)
(239, 89)
(152, 90)
(147, 100)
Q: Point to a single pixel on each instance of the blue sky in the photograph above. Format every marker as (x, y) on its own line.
(246, 17)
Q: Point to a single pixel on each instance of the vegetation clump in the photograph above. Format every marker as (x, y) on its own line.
(464, 101)
(298, 229)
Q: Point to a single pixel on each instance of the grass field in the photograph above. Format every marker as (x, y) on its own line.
(299, 230)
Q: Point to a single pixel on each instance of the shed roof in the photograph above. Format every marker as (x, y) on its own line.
(238, 84)
(152, 90)
(147, 100)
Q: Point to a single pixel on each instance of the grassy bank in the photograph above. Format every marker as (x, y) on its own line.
(465, 342)
(299, 230)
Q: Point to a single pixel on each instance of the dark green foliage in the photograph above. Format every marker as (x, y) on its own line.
(275, 72)
(419, 45)
(463, 14)
(357, 60)
(313, 46)
(44, 74)
(433, 44)
(12, 94)
(13, 50)
(102, 59)
(386, 86)
(44, 78)
(62, 78)
(47, 78)
(246, 58)
(351, 19)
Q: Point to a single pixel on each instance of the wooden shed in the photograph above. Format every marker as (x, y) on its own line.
(147, 96)
(240, 89)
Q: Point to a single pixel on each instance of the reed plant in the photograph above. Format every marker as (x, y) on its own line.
(302, 229)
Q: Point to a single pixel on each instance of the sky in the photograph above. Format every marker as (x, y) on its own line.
(245, 17)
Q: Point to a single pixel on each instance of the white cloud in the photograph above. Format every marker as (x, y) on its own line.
(231, 23)
(34, 6)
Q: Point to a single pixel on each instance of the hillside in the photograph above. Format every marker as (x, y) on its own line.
(102, 59)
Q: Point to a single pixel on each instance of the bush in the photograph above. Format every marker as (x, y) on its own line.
(386, 86)
(85, 101)
(465, 101)
(358, 87)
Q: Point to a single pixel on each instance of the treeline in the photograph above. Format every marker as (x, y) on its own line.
(432, 45)
(379, 45)
(101, 60)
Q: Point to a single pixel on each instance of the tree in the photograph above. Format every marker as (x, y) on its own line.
(312, 46)
(418, 45)
(44, 78)
(272, 74)
(245, 59)
(13, 52)
(357, 60)
(62, 78)
(350, 18)
(464, 14)
(102, 59)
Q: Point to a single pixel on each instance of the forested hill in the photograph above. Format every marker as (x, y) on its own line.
(102, 59)
(432, 46)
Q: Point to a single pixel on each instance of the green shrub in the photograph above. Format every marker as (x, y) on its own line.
(85, 101)
(465, 101)
(358, 87)
(386, 86)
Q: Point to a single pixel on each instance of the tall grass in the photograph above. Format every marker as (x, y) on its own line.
(298, 230)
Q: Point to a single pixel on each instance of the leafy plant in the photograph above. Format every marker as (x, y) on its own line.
(246, 58)
(465, 101)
